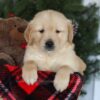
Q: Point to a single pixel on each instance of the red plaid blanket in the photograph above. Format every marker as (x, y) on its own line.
(12, 87)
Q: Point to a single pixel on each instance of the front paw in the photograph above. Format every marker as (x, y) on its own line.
(61, 82)
(29, 75)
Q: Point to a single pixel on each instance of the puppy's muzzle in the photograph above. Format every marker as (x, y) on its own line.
(49, 45)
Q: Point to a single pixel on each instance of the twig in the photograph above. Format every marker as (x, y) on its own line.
(95, 71)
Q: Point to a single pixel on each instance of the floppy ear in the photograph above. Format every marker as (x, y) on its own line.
(27, 33)
(70, 31)
(28, 36)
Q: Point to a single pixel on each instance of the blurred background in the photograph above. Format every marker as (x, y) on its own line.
(86, 14)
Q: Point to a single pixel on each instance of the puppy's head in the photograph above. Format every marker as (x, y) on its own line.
(49, 30)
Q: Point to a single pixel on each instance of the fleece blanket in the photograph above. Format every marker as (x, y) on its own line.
(12, 86)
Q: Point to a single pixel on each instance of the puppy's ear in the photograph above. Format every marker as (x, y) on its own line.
(70, 31)
(27, 33)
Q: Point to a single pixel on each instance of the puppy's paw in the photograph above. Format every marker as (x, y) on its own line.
(29, 75)
(61, 82)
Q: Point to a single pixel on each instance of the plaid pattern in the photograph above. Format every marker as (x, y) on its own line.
(12, 87)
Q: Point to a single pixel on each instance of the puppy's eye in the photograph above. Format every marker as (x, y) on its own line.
(41, 31)
(58, 31)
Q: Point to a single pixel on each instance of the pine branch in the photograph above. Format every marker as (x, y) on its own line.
(95, 71)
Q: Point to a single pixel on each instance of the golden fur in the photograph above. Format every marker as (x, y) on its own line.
(63, 60)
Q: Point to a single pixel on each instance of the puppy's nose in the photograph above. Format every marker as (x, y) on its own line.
(49, 45)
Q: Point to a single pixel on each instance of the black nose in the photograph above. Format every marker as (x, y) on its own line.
(49, 45)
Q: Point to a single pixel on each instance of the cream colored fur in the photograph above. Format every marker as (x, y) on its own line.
(62, 60)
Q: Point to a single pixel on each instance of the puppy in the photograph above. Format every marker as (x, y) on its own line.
(50, 47)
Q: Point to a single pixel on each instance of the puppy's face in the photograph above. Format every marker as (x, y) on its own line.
(49, 31)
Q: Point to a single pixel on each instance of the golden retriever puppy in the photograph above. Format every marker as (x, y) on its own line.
(50, 47)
